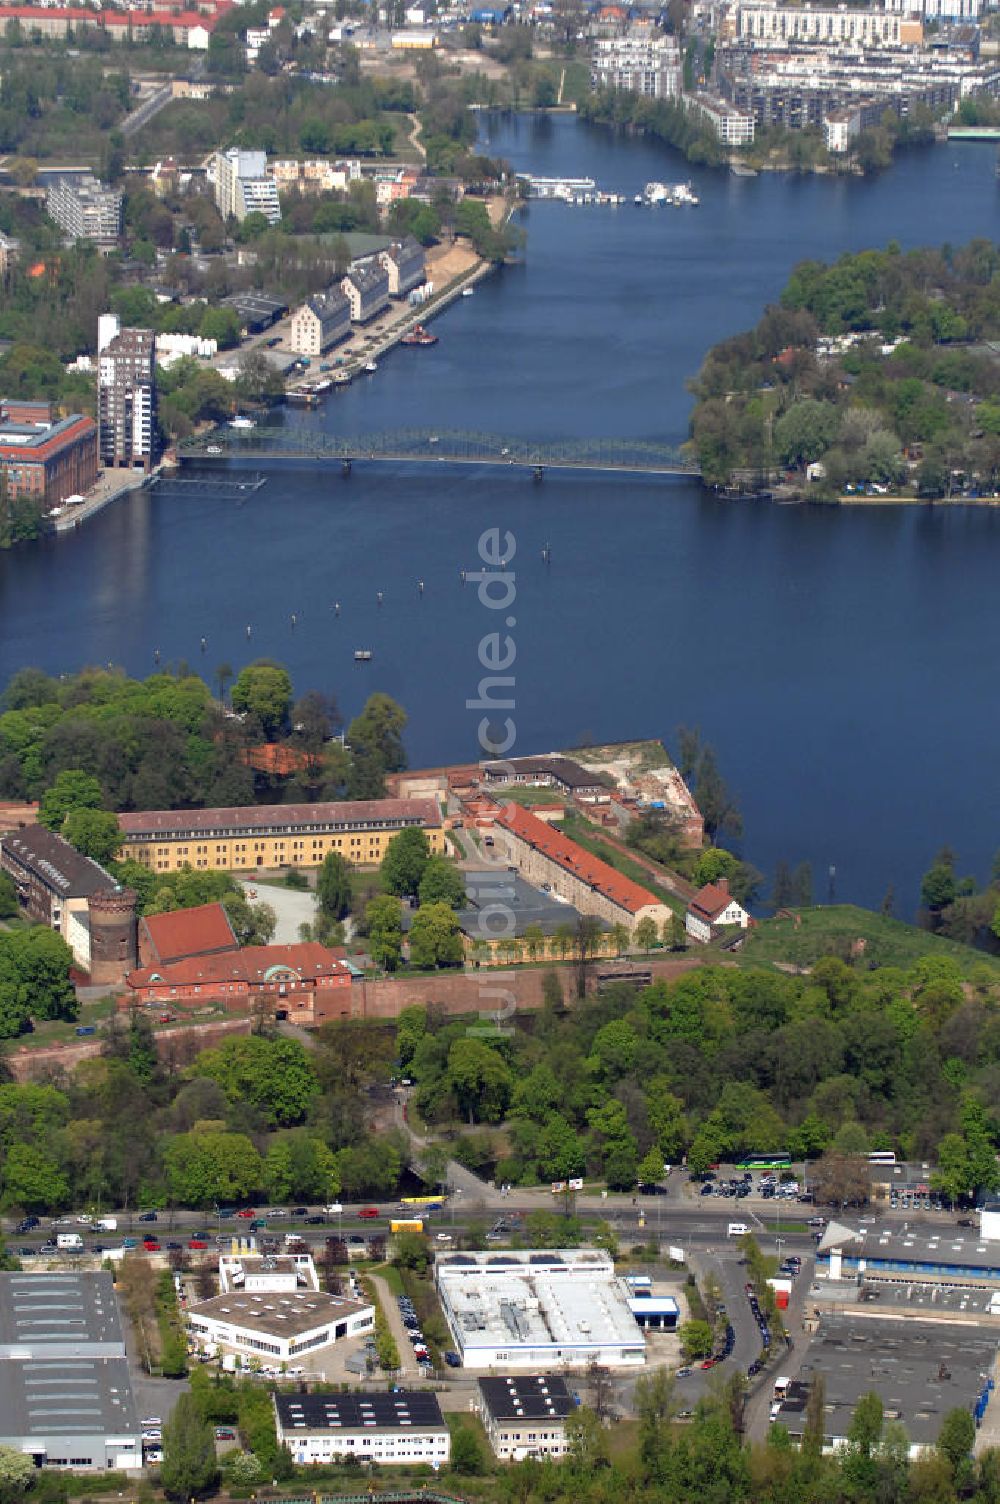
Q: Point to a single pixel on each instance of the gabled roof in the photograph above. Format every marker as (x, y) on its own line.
(184, 933)
(255, 965)
(576, 860)
(711, 901)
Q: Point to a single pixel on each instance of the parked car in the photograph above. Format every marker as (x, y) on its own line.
(452, 1360)
(682, 1373)
(225, 1433)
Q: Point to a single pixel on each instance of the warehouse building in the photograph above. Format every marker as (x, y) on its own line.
(919, 1369)
(65, 1394)
(525, 1415)
(274, 835)
(535, 1309)
(402, 1427)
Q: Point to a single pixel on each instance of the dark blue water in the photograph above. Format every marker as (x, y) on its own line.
(840, 662)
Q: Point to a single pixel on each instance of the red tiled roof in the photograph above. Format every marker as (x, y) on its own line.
(189, 932)
(252, 816)
(575, 860)
(709, 901)
(276, 757)
(309, 961)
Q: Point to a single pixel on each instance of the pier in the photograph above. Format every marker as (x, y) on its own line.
(443, 447)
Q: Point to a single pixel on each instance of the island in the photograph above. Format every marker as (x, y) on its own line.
(875, 377)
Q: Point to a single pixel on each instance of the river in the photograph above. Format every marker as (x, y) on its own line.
(833, 658)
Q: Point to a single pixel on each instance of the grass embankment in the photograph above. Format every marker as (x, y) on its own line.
(581, 831)
(876, 940)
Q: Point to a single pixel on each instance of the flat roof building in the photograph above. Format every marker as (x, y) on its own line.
(243, 185)
(65, 1394)
(126, 395)
(84, 209)
(274, 835)
(538, 1308)
(279, 1325)
(919, 1369)
(524, 1415)
(402, 1427)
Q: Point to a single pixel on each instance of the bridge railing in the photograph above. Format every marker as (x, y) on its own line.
(459, 446)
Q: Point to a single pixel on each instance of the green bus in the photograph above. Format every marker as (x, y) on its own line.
(764, 1162)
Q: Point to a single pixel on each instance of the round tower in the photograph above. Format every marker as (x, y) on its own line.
(113, 935)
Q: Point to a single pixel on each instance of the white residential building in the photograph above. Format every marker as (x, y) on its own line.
(126, 395)
(404, 262)
(243, 185)
(766, 23)
(732, 126)
(366, 288)
(712, 909)
(85, 210)
(642, 62)
(380, 1428)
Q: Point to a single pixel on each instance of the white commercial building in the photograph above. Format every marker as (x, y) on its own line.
(253, 1272)
(525, 1415)
(538, 1309)
(276, 1326)
(767, 24)
(391, 1428)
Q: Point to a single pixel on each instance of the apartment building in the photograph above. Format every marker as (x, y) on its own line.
(321, 322)
(243, 185)
(641, 62)
(126, 395)
(734, 127)
(767, 24)
(85, 210)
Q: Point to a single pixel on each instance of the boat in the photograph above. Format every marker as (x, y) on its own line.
(741, 170)
(342, 378)
(371, 367)
(323, 386)
(362, 655)
(301, 396)
(468, 292)
(656, 193)
(418, 335)
(241, 422)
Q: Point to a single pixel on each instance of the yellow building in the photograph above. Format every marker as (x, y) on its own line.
(274, 835)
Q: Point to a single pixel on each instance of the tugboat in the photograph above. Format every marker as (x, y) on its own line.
(418, 335)
(362, 655)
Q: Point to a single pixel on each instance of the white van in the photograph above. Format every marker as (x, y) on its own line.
(737, 1230)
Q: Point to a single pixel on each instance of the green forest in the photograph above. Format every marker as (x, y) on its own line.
(878, 367)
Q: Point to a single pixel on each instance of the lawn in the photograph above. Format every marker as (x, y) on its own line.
(581, 831)
(56, 1031)
(835, 929)
(528, 796)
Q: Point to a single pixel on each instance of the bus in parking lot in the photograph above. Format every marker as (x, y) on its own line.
(764, 1162)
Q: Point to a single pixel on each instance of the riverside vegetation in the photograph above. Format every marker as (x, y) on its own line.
(877, 368)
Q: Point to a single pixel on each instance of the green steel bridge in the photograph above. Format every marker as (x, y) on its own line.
(440, 447)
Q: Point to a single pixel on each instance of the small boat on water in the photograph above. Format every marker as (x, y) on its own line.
(362, 655)
(371, 367)
(418, 335)
(468, 292)
(342, 378)
(741, 170)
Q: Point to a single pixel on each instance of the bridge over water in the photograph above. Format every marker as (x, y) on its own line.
(441, 446)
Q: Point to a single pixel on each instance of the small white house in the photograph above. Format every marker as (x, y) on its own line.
(711, 910)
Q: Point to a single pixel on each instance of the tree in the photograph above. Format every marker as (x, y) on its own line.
(955, 1443)
(718, 807)
(33, 1180)
(480, 1079)
(275, 1075)
(651, 1167)
(377, 733)
(8, 897)
(412, 1250)
(805, 431)
(206, 1167)
(333, 886)
(94, 833)
(675, 932)
(384, 923)
(256, 378)
(264, 690)
(442, 882)
(646, 933)
(842, 1179)
(466, 1452)
(586, 1443)
(405, 861)
(17, 1474)
(189, 1467)
(435, 938)
(696, 1340)
(72, 789)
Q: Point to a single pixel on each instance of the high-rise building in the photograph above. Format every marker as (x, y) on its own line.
(126, 395)
(242, 185)
(85, 210)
